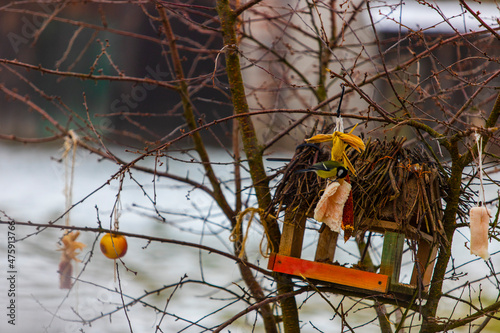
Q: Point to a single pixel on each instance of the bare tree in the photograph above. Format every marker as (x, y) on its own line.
(166, 81)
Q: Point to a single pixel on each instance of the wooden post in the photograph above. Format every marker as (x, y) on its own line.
(327, 243)
(392, 254)
(424, 265)
(293, 233)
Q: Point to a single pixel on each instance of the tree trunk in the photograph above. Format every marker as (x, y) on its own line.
(253, 153)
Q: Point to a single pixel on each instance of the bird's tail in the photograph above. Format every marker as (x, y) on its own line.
(304, 170)
(278, 159)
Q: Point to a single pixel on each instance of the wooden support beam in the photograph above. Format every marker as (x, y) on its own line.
(327, 243)
(424, 265)
(382, 226)
(292, 235)
(392, 254)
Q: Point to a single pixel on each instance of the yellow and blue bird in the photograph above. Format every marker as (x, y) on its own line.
(328, 169)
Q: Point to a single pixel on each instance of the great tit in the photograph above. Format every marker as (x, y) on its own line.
(328, 169)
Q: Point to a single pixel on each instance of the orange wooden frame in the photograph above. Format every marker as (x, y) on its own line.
(330, 273)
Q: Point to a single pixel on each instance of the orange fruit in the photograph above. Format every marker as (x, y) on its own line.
(113, 246)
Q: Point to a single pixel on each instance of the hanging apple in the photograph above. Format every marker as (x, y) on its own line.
(113, 246)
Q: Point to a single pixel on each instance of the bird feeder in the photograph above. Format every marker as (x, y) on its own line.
(396, 193)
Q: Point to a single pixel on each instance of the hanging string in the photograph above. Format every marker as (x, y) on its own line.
(117, 213)
(339, 123)
(479, 143)
(480, 215)
(70, 248)
(70, 143)
(235, 236)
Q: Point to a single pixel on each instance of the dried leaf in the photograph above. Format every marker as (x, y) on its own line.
(70, 250)
(65, 271)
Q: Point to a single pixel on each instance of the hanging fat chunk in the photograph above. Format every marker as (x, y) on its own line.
(479, 222)
(329, 209)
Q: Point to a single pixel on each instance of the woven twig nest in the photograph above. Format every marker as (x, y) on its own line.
(394, 185)
(300, 191)
(399, 185)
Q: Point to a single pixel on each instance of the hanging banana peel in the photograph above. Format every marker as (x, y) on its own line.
(342, 212)
(340, 141)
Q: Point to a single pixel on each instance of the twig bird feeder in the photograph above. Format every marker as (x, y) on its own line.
(396, 192)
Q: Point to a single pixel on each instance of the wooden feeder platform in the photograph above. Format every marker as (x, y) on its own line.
(386, 281)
